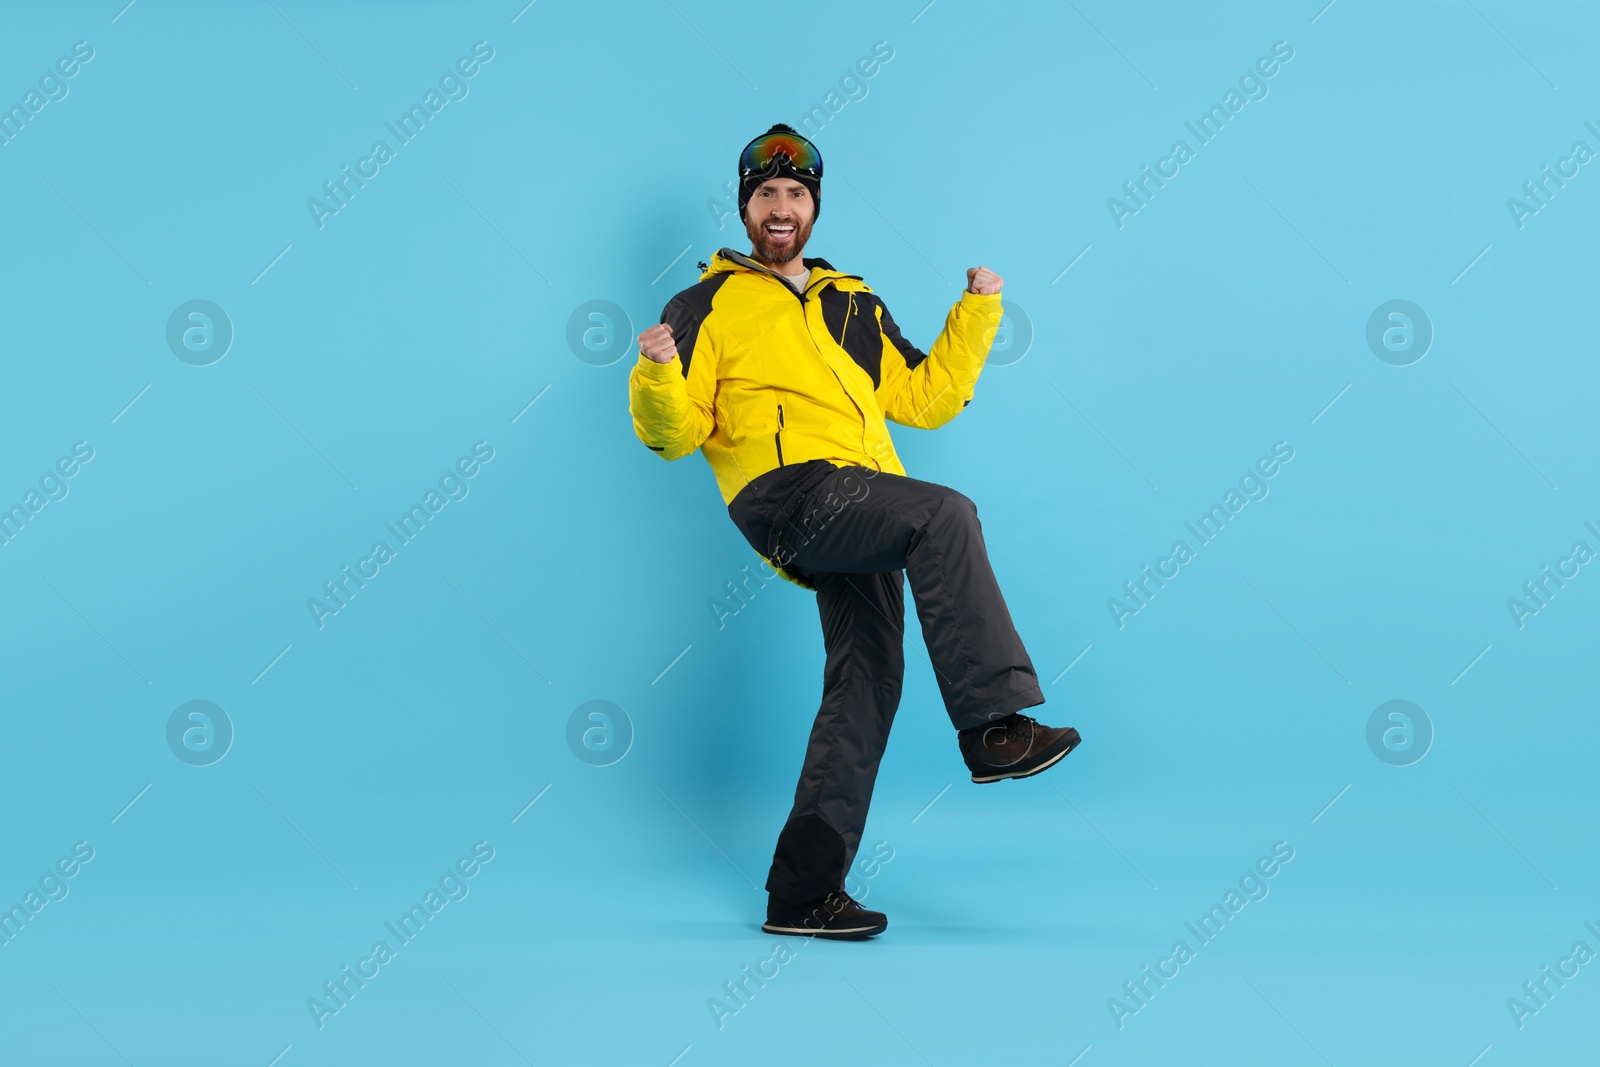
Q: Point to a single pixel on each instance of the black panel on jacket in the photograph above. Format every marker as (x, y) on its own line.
(913, 355)
(686, 311)
(852, 321)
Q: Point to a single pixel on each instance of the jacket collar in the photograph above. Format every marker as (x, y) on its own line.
(727, 260)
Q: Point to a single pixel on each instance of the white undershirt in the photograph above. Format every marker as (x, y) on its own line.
(798, 280)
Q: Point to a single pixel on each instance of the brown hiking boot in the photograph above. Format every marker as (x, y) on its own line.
(1014, 746)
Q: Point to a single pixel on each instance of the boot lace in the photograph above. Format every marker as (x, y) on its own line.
(1021, 728)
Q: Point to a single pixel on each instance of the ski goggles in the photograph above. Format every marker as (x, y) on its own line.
(760, 155)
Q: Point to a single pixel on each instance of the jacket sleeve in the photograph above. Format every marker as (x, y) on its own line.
(672, 403)
(928, 389)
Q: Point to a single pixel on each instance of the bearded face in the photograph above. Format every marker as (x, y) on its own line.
(778, 220)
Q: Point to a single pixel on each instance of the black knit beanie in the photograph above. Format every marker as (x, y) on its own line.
(782, 168)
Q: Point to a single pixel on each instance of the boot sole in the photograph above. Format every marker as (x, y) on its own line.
(858, 933)
(1046, 765)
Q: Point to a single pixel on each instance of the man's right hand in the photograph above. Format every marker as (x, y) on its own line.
(657, 344)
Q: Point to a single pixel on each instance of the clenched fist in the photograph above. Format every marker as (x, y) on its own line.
(656, 343)
(983, 280)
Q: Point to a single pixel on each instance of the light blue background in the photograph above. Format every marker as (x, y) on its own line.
(585, 164)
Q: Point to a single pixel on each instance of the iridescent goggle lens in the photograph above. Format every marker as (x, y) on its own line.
(759, 155)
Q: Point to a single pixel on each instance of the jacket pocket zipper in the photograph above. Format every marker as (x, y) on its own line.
(849, 311)
(777, 438)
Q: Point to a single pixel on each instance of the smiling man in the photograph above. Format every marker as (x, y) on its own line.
(785, 373)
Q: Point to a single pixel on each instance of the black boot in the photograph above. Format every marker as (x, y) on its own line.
(837, 917)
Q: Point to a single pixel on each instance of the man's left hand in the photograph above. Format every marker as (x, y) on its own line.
(982, 280)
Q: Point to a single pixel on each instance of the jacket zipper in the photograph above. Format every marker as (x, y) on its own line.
(777, 437)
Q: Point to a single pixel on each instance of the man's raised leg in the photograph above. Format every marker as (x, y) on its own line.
(858, 520)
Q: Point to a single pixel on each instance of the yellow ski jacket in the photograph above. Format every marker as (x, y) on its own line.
(765, 375)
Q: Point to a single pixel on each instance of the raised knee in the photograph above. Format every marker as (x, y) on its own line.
(958, 505)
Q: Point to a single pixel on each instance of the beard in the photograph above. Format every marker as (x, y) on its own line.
(777, 251)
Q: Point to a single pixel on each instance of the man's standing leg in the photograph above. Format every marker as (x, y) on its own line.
(863, 632)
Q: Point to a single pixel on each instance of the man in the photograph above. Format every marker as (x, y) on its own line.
(783, 371)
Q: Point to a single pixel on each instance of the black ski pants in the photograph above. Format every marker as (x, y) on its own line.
(859, 534)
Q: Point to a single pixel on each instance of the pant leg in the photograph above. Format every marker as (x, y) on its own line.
(860, 520)
(863, 631)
